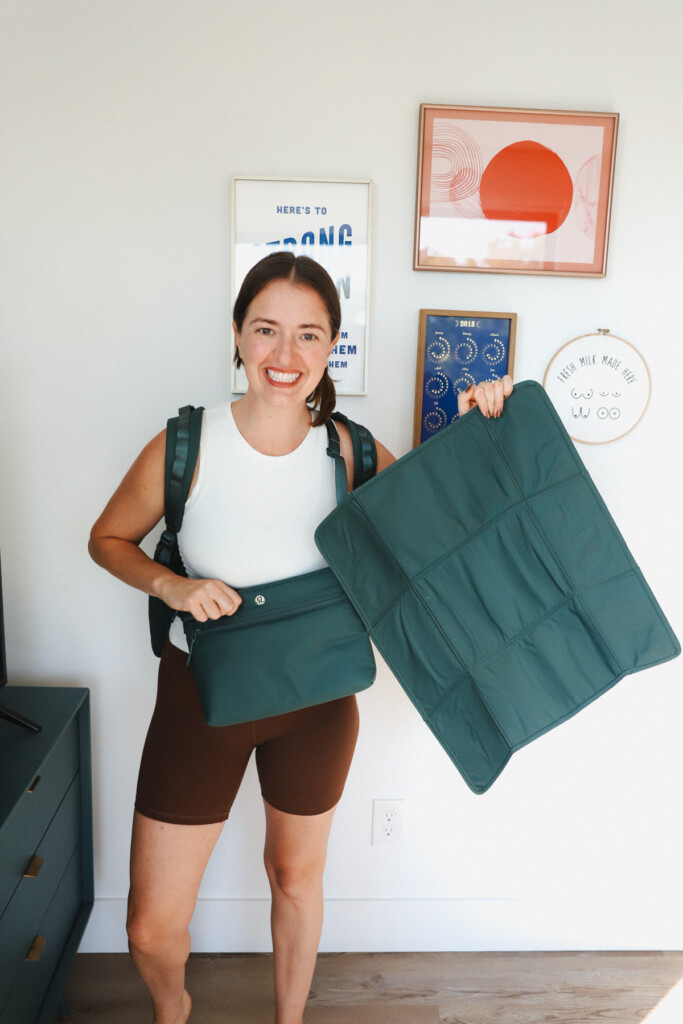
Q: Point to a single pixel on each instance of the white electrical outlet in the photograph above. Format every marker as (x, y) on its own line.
(387, 822)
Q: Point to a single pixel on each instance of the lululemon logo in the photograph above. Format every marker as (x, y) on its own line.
(260, 599)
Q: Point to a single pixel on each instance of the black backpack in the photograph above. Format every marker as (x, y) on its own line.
(182, 448)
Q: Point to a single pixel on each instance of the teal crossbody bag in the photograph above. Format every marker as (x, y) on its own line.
(292, 643)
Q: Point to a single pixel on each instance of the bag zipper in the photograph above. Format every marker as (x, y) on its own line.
(269, 616)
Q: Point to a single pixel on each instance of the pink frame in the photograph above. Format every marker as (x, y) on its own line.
(458, 148)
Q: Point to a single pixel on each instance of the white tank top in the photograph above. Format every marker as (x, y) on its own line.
(251, 517)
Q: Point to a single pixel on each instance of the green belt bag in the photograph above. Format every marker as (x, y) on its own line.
(495, 583)
(291, 644)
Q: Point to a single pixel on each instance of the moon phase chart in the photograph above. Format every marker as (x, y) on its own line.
(459, 351)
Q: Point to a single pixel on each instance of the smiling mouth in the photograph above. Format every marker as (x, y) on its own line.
(280, 377)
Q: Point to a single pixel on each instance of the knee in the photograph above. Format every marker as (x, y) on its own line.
(150, 932)
(144, 933)
(296, 882)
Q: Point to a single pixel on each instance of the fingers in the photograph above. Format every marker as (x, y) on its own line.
(465, 400)
(203, 599)
(490, 395)
(213, 599)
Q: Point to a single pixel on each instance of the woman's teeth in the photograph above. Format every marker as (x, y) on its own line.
(282, 378)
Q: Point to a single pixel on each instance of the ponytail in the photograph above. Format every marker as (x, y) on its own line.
(323, 399)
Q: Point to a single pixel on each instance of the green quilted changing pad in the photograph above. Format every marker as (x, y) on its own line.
(495, 583)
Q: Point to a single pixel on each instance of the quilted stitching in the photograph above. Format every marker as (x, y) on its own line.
(492, 578)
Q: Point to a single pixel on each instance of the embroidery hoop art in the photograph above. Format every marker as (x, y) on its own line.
(563, 359)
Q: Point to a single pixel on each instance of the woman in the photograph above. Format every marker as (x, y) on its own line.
(263, 483)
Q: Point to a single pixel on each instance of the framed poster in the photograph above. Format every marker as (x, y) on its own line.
(514, 191)
(600, 386)
(456, 349)
(330, 221)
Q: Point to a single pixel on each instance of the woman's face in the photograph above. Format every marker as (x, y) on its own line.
(285, 342)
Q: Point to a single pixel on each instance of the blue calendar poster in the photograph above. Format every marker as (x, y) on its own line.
(456, 350)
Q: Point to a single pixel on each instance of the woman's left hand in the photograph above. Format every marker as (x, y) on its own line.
(488, 396)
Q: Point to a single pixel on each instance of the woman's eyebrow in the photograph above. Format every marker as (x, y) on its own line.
(267, 320)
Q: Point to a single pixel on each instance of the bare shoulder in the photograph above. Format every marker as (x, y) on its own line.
(346, 450)
(384, 456)
(147, 472)
(137, 504)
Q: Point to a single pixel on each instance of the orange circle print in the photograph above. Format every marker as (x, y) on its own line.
(529, 184)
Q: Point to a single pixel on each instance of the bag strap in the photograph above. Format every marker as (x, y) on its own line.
(183, 434)
(364, 454)
(182, 448)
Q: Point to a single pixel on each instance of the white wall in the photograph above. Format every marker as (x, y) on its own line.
(122, 123)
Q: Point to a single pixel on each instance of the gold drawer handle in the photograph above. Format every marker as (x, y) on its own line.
(34, 784)
(36, 949)
(34, 866)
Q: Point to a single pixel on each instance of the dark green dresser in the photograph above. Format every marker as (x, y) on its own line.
(46, 860)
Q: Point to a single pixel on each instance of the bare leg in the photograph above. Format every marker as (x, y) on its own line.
(167, 864)
(295, 855)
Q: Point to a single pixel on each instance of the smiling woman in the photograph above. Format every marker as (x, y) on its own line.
(289, 299)
(264, 482)
(284, 345)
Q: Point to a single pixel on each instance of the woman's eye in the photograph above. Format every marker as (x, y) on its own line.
(265, 330)
(309, 337)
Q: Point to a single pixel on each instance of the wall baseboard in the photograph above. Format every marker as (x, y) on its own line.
(405, 925)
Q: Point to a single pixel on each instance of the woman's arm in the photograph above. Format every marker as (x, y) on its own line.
(134, 509)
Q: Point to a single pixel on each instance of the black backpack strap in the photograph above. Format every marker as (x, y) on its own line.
(364, 450)
(183, 434)
(334, 451)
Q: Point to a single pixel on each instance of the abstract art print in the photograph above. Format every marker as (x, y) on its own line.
(514, 191)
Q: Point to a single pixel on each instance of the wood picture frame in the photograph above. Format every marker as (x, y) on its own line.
(457, 348)
(514, 191)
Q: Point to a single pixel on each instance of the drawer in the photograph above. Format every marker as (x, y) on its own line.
(21, 919)
(32, 978)
(25, 826)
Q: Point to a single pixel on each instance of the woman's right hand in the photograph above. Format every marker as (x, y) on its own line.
(133, 510)
(489, 397)
(203, 599)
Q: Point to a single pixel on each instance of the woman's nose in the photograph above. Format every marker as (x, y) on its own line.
(286, 345)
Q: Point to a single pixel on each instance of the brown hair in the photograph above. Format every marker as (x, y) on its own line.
(304, 271)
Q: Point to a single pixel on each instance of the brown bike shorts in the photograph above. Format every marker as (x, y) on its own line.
(190, 771)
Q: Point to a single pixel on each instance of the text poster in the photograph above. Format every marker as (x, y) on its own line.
(328, 221)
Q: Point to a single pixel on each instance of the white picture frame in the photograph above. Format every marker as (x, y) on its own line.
(328, 220)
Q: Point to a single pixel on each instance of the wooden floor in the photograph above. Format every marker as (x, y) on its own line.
(403, 988)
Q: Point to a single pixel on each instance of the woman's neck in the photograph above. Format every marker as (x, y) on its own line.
(269, 430)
